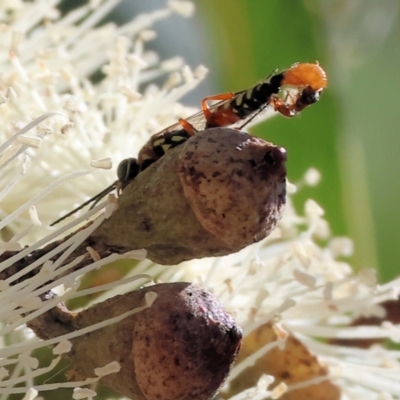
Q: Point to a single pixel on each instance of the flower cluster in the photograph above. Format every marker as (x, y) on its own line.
(58, 126)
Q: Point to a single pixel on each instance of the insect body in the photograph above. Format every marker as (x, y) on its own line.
(308, 81)
(160, 143)
(302, 82)
(239, 108)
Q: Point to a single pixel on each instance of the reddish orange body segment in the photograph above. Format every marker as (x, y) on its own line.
(306, 74)
(309, 79)
(221, 116)
(187, 126)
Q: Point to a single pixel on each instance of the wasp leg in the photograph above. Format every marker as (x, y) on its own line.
(287, 110)
(204, 103)
(188, 127)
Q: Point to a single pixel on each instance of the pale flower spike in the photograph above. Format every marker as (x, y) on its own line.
(48, 100)
(48, 72)
(313, 295)
(287, 282)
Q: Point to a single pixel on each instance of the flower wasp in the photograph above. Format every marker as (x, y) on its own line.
(235, 110)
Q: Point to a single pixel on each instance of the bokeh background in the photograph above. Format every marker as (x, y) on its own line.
(351, 136)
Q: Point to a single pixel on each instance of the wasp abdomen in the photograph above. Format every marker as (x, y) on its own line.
(252, 100)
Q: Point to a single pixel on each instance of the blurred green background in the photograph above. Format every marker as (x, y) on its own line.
(351, 136)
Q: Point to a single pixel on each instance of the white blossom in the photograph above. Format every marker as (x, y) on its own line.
(60, 140)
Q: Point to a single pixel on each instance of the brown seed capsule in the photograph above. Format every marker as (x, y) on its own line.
(184, 346)
(215, 194)
(181, 347)
(235, 185)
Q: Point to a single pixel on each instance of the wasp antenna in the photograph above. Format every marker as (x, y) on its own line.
(102, 194)
(95, 199)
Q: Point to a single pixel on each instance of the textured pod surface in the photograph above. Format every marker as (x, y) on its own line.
(235, 185)
(184, 346)
(214, 195)
(181, 347)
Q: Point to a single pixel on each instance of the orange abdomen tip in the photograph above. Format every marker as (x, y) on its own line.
(306, 74)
